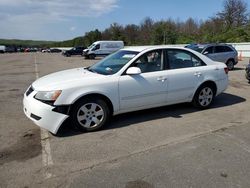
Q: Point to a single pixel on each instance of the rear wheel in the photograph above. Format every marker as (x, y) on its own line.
(90, 114)
(230, 64)
(203, 97)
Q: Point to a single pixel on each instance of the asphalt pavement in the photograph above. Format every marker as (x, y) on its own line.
(173, 146)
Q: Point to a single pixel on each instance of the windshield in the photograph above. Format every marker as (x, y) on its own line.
(196, 47)
(91, 46)
(113, 63)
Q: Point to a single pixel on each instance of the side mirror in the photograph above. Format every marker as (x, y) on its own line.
(205, 53)
(133, 71)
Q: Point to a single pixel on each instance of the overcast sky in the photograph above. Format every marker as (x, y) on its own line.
(66, 19)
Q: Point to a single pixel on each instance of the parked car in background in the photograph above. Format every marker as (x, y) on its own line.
(45, 50)
(74, 51)
(20, 49)
(10, 49)
(30, 50)
(2, 49)
(51, 50)
(133, 78)
(102, 48)
(218, 52)
(248, 72)
(55, 50)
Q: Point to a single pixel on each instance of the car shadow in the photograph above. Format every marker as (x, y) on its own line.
(67, 129)
(238, 69)
(174, 111)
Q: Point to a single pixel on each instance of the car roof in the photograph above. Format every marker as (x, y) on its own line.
(209, 44)
(143, 48)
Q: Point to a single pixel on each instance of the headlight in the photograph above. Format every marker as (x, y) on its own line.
(48, 95)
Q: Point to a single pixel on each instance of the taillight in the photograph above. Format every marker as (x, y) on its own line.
(226, 70)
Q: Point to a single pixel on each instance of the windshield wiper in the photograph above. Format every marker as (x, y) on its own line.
(91, 70)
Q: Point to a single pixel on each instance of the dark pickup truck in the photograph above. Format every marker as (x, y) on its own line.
(74, 51)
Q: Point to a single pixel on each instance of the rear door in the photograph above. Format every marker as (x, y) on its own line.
(220, 53)
(186, 72)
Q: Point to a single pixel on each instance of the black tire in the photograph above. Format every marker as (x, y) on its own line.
(230, 64)
(90, 114)
(204, 96)
(91, 56)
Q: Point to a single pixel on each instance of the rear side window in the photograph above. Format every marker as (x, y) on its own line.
(221, 49)
(181, 59)
(228, 49)
(78, 48)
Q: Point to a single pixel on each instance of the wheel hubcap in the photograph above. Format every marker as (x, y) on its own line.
(90, 115)
(205, 96)
(230, 65)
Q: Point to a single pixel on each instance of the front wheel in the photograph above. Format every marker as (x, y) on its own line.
(90, 114)
(91, 56)
(203, 97)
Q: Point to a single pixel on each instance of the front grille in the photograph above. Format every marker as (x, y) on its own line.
(29, 91)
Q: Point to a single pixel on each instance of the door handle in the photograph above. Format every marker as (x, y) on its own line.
(198, 74)
(161, 78)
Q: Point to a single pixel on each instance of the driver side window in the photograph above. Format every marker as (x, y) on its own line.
(150, 61)
(97, 47)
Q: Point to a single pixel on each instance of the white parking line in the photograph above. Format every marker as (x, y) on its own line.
(46, 150)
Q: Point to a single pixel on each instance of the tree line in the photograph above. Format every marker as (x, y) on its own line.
(232, 24)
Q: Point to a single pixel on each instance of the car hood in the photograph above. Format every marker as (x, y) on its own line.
(65, 79)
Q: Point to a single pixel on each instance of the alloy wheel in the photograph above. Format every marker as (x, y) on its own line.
(90, 115)
(205, 96)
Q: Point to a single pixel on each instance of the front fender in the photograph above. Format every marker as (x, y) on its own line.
(70, 96)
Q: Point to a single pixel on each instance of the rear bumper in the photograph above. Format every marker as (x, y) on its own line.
(222, 85)
(41, 114)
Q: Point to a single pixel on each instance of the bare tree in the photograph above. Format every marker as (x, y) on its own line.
(146, 28)
(131, 33)
(234, 13)
(190, 27)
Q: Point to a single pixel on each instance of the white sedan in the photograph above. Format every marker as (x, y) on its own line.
(131, 79)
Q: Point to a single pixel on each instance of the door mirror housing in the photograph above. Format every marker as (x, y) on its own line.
(133, 71)
(205, 53)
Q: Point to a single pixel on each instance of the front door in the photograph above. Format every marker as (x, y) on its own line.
(146, 89)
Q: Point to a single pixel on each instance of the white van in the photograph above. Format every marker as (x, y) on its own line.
(2, 49)
(102, 48)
